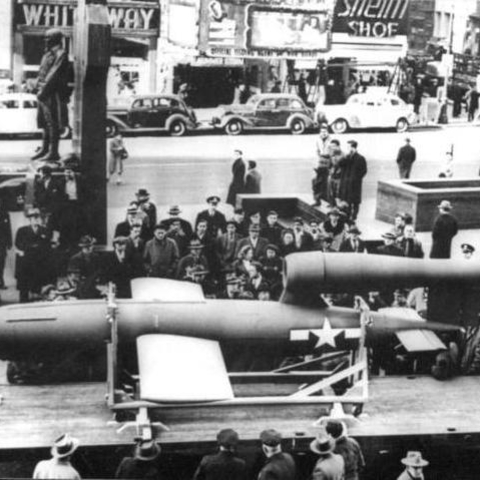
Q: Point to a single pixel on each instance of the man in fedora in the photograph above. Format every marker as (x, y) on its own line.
(330, 465)
(216, 220)
(122, 229)
(143, 464)
(144, 204)
(389, 247)
(444, 229)
(254, 240)
(414, 464)
(224, 464)
(32, 244)
(334, 226)
(352, 243)
(59, 465)
(347, 447)
(192, 261)
(174, 215)
(278, 465)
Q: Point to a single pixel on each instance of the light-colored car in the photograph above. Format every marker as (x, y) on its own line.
(367, 110)
(18, 115)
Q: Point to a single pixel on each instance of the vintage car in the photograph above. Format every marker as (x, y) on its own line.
(18, 115)
(266, 111)
(150, 113)
(368, 110)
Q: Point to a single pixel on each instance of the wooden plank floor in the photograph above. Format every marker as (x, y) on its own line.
(32, 416)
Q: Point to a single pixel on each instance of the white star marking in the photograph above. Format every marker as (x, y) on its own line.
(326, 336)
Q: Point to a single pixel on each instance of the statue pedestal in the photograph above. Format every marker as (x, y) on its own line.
(420, 198)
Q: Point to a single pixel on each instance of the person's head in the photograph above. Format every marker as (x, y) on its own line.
(74, 274)
(323, 444)
(202, 227)
(237, 153)
(64, 447)
(336, 429)
(388, 238)
(334, 215)
(195, 247)
(120, 245)
(335, 145)
(239, 215)
(353, 146)
(445, 206)
(34, 217)
(409, 231)
(132, 212)
(142, 195)
(298, 225)
(354, 232)
(232, 285)
(288, 237)
(313, 227)
(271, 251)
(176, 225)
(327, 241)
(53, 38)
(400, 296)
(399, 220)
(45, 171)
(467, 250)
(252, 164)
(255, 218)
(254, 231)
(272, 217)
(213, 202)
(323, 131)
(246, 253)
(414, 464)
(407, 141)
(160, 231)
(228, 439)
(147, 450)
(231, 228)
(271, 442)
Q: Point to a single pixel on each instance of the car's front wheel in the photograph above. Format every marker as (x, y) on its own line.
(340, 125)
(177, 128)
(297, 127)
(234, 127)
(111, 129)
(402, 125)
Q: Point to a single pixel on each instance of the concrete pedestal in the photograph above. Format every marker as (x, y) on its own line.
(420, 198)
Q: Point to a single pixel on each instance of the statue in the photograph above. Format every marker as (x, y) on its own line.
(52, 94)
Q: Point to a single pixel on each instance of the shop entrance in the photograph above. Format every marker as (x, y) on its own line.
(207, 87)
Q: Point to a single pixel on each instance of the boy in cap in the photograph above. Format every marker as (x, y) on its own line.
(467, 250)
(279, 465)
(224, 464)
(59, 465)
(414, 464)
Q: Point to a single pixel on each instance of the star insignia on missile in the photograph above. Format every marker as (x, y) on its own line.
(326, 335)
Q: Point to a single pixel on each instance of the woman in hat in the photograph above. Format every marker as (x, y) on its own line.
(243, 265)
(144, 463)
(414, 464)
(59, 465)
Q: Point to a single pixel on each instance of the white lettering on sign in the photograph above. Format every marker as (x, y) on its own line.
(375, 9)
(376, 29)
(38, 15)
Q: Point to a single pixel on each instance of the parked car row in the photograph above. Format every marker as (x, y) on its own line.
(264, 111)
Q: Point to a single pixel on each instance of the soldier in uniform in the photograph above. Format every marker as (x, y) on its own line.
(52, 94)
(216, 220)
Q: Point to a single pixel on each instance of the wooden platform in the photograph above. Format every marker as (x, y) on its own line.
(31, 416)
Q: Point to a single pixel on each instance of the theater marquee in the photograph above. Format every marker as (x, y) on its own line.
(127, 18)
(287, 29)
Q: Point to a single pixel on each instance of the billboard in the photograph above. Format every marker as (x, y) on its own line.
(265, 29)
(371, 18)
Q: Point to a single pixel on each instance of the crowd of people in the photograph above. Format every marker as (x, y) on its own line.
(336, 456)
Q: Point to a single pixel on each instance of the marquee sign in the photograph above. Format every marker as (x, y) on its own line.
(134, 18)
(371, 18)
(242, 28)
